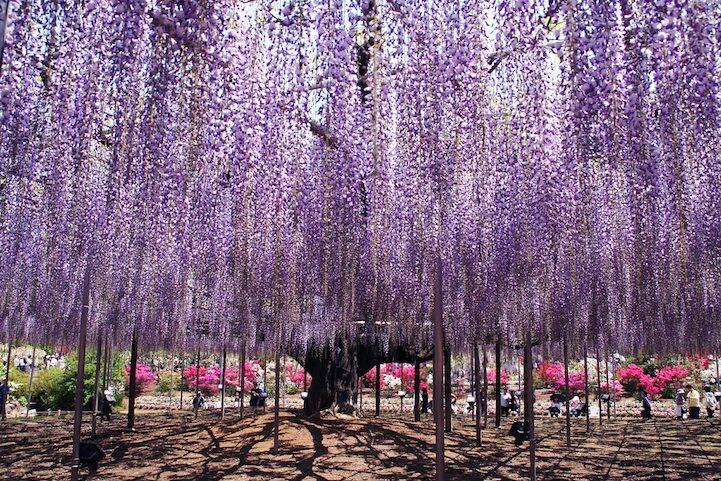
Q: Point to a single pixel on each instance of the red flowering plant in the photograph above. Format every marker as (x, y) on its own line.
(549, 373)
(665, 382)
(395, 377)
(576, 382)
(616, 389)
(553, 375)
(670, 378)
(232, 376)
(632, 378)
(144, 377)
(294, 377)
(491, 376)
(704, 361)
(207, 377)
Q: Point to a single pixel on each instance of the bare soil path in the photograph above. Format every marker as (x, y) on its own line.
(174, 446)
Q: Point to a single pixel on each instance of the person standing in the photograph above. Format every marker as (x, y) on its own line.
(680, 400)
(694, 402)
(711, 402)
(4, 394)
(424, 400)
(505, 402)
(646, 401)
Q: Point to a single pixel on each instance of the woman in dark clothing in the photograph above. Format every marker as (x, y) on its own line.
(424, 400)
(255, 396)
(646, 401)
(105, 408)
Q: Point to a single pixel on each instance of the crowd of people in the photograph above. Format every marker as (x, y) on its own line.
(689, 401)
(27, 363)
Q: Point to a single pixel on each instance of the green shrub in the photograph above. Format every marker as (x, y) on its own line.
(166, 380)
(54, 388)
(50, 391)
(19, 382)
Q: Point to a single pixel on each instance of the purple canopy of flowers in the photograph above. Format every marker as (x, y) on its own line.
(286, 171)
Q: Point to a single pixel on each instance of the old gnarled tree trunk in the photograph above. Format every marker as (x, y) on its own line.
(336, 369)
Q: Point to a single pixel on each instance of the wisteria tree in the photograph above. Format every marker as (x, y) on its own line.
(314, 177)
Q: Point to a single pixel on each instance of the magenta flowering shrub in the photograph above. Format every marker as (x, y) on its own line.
(669, 378)
(232, 375)
(552, 374)
(144, 377)
(294, 374)
(549, 373)
(666, 380)
(396, 377)
(207, 378)
(491, 376)
(633, 378)
(615, 388)
(576, 381)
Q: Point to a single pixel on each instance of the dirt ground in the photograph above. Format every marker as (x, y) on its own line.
(174, 446)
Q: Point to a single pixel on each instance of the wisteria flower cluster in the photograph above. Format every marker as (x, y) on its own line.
(279, 174)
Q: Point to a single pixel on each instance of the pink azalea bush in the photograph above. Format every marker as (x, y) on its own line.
(553, 375)
(232, 375)
(491, 376)
(576, 381)
(616, 389)
(667, 378)
(294, 375)
(633, 378)
(702, 361)
(395, 376)
(207, 377)
(670, 378)
(549, 373)
(144, 377)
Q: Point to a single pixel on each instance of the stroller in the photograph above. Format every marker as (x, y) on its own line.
(519, 430)
(579, 410)
(90, 455)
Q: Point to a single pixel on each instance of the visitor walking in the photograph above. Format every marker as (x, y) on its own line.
(424, 400)
(694, 402)
(4, 392)
(198, 401)
(647, 404)
(711, 402)
(505, 402)
(515, 403)
(106, 407)
(680, 401)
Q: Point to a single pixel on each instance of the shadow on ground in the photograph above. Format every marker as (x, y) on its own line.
(178, 447)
